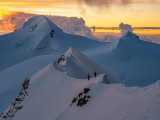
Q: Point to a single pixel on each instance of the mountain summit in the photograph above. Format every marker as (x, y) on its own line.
(80, 66)
(39, 36)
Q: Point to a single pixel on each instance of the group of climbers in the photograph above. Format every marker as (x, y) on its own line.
(95, 75)
(62, 58)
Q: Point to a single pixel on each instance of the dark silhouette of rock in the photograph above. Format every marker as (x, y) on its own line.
(74, 100)
(80, 94)
(88, 96)
(52, 33)
(18, 99)
(86, 90)
(4, 117)
(61, 59)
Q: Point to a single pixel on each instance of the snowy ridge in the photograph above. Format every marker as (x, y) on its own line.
(69, 52)
(52, 81)
(50, 89)
(78, 65)
(13, 77)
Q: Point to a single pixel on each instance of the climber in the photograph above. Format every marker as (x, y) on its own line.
(95, 74)
(88, 76)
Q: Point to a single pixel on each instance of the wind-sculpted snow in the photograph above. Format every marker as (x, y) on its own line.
(79, 66)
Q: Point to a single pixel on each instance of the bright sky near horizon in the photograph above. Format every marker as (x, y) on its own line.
(138, 13)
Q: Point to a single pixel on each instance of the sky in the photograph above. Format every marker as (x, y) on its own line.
(99, 13)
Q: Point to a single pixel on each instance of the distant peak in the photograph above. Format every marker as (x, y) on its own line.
(130, 34)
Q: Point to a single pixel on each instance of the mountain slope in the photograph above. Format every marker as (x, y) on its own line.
(51, 92)
(12, 78)
(133, 61)
(79, 66)
(38, 36)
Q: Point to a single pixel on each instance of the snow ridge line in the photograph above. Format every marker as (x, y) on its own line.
(18, 103)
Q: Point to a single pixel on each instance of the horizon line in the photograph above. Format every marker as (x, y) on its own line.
(117, 28)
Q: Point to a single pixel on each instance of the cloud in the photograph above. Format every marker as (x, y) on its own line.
(13, 21)
(125, 28)
(147, 28)
(72, 25)
(110, 38)
(104, 3)
(150, 38)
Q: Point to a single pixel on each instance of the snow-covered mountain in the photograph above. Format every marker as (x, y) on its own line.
(39, 36)
(73, 86)
(133, 61)
(77, 65)
(129, 59)
(53, 95)
(74, 63)
(80, 66)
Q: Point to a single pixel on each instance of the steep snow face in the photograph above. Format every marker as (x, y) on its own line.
(116, 102)
(80, 66)
(50, 94)
(11, 79)
(133, 61)
(39, 36)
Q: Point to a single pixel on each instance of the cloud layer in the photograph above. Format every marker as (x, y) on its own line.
(104, 3)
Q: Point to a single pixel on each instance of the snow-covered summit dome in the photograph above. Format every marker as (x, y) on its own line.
(37, 21)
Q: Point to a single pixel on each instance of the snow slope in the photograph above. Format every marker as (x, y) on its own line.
(37, 37)
(79, 66)
(131, 60)
(12, 78)
(50, 94)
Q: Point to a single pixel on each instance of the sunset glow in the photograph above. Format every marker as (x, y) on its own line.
(136, 13)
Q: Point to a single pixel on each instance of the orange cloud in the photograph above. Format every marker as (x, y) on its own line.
(12, 20)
